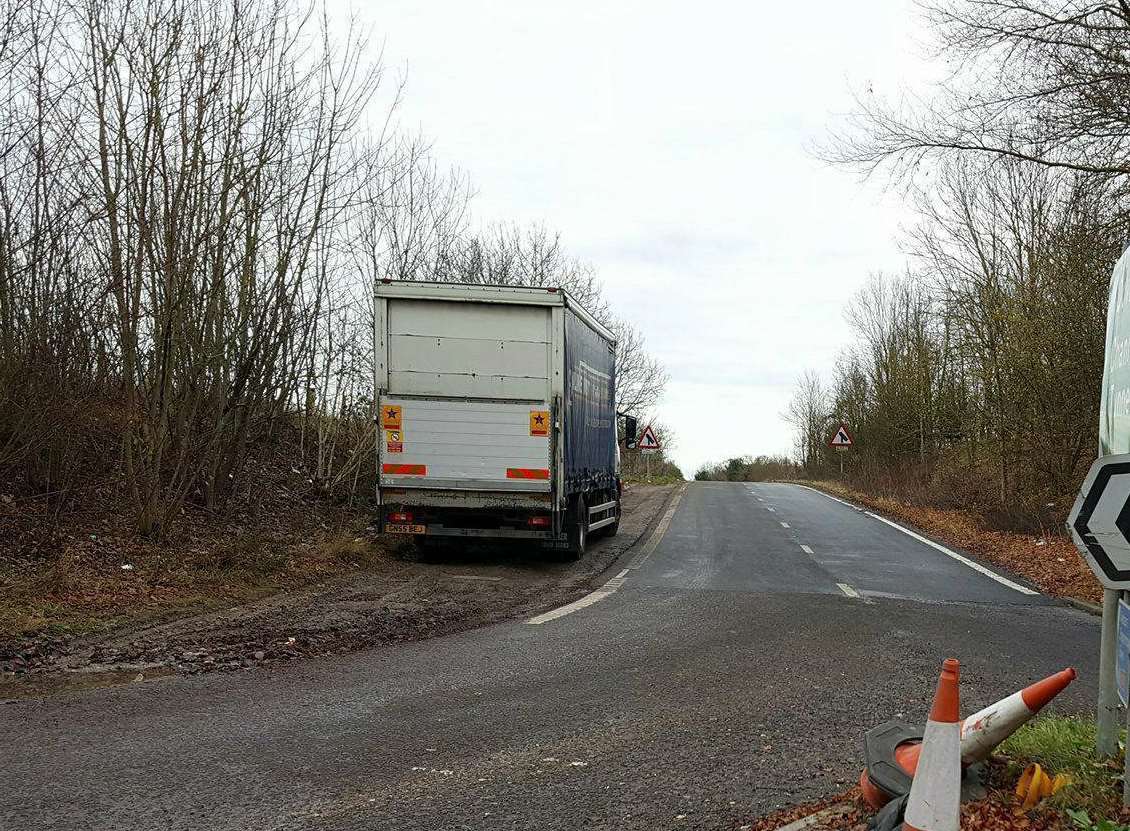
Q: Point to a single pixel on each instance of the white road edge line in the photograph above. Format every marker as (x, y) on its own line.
(561, 611)
(992, 575)
(833, 498)
(806, 549)
(616, 582)
(848, 590)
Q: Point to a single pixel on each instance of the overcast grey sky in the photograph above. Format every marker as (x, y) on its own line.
(670, 144)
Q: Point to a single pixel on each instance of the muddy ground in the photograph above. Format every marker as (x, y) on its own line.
(398, 597)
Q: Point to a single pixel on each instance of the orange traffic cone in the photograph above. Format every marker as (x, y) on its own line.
(980, 732)
(935, 796)
(987, 728)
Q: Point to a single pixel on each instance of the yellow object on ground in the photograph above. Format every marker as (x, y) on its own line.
(1035, 784)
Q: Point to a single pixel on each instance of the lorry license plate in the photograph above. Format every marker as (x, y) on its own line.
(406, 529)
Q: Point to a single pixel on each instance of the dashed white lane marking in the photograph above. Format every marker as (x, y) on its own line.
(784, 525)
(616, 582)
(992, 575)
(848, 590)
(806, 549)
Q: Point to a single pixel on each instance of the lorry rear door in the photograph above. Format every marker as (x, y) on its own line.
(468, 403)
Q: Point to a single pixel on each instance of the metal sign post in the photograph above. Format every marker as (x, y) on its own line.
(1122, 673)
(1106, 713)
(841, 440)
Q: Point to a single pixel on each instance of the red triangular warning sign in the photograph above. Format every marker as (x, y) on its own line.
(648, 440)
(841, 438)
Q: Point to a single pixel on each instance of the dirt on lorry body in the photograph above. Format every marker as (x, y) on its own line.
(404, 595)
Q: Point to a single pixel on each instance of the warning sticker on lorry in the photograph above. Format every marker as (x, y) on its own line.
(390, 416)
(394, 442)
(539, 422)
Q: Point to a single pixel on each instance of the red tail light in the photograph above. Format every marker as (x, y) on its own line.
(400, 516)
(538, 522)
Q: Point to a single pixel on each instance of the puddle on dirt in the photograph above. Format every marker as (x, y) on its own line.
(19, 687)
(481, 577)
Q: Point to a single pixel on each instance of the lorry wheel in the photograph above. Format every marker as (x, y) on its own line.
(578, 532)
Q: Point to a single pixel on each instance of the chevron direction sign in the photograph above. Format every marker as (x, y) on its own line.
(1100, 520)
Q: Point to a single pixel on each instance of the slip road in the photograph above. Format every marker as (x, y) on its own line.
(729, 666)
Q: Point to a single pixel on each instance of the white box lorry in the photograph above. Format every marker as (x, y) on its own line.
(497, 414)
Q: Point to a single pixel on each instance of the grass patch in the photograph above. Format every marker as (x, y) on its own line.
(90, 594)
(253, 555)
(1062, 744)
(351, 551)
(654, 480)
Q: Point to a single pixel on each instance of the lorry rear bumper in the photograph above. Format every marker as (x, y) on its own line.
(459, 519)
(507, 533)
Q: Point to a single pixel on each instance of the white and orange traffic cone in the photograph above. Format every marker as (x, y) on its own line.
(987, 728)
(980, 732)
(934, 803)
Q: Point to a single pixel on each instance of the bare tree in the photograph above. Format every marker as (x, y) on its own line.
(193, 212)
(1033, 80)
(808, 413)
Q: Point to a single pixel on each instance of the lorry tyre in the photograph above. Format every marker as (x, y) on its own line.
(578, 531)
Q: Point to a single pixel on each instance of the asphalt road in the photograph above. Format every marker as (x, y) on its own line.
(732, 668)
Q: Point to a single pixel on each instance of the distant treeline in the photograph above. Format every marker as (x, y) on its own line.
(749, 469)
(974, 377)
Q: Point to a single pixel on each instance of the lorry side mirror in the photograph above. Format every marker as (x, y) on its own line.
(631, 429)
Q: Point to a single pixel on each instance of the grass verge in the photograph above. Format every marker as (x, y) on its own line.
(91, 590)
(654, 480)
(1061, 744)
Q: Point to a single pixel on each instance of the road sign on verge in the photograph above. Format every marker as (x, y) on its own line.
(841, 439)
(648, 440)
(1122, 670)
(1099, 521)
